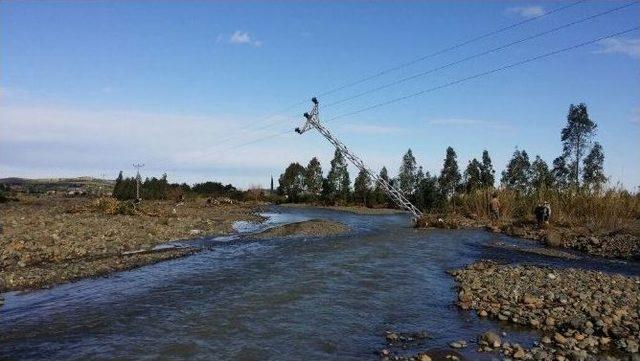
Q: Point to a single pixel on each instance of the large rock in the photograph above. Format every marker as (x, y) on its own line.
(491, 339)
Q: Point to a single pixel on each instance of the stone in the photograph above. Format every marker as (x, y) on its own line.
(458, 344)
(559, 338)
(519, 354)
(632, 346)
(491, 339)
(424, 357)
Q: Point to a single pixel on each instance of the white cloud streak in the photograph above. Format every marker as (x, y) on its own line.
(239, 37)
(525, 11)
(629, 47)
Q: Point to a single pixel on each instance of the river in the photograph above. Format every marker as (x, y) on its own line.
(299, 298)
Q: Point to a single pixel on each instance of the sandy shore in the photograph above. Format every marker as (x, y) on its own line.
(50, 240)
(581, 314)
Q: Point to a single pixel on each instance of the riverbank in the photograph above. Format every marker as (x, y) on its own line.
(313, 227)
(51, 240)
(621, 243)
(579, 313)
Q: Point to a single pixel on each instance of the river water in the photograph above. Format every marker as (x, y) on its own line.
(296, 298)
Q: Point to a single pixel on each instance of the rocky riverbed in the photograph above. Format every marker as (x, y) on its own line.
(581, 315)
(313, 227)
(614, 244)
(50, 240)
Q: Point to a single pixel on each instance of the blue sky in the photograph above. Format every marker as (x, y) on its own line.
(89, 88)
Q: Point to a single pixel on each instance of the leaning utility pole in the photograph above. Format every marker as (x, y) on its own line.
(137, 167)
(313, 120)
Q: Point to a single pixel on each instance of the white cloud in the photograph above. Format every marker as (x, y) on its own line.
(240, 38)
(41, 140)
(525, 11)
(630, 47)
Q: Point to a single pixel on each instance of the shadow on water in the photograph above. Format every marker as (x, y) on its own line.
(296, 298)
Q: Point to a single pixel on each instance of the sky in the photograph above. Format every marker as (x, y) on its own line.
(207, 90)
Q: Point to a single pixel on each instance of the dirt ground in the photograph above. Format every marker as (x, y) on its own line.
(50, 240)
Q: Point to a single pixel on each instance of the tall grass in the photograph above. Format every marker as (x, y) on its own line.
(611, 210)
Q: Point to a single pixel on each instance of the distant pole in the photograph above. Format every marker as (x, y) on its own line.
(272, 183)
(137, 167)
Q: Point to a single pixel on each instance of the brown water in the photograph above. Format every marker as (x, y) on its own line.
(308, 298)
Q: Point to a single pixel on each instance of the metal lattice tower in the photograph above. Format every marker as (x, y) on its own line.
(313, 120)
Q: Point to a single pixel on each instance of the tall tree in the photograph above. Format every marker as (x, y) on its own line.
(338, 178)
(292, 181)
(449, 179)
(473, 176)
(576, 138)
(560, 173)
(362, 188)
(407, 173)
(487, 173)
(593, 172)
(380, 194)
(428, 196)
(541, 176)
(313, 176)
(516, 175)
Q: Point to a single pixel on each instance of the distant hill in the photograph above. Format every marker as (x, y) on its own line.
(41, 185)
(55, 181)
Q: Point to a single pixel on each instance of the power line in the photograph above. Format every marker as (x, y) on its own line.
(512, 65)
(442, 51)
(477, 55)
(401, 66)
(455, 82)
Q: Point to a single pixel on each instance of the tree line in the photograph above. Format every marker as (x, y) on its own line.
(160, 188)
(579, 168)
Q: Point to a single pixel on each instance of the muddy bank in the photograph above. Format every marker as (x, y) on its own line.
(351, 209)
(54, 239)
(313, 227)
(580, 314)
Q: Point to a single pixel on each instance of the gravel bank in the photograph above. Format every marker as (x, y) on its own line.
(53, 239)
(350, 209)
(581, 314)
(313, 227)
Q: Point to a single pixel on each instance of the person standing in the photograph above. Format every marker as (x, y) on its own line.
(495, 207)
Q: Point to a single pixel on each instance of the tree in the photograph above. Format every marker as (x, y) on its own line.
(593, 169)
(362, 187)
(576, 138)
(407, 174)
(560, 173)
(516, 175)
(487, 173)
(338, 179)
(541, 176)
(117, 188)
(379, 194)
(473, 176)
(313, 176)
(428, 196)
(449, 179)
(292, 181)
